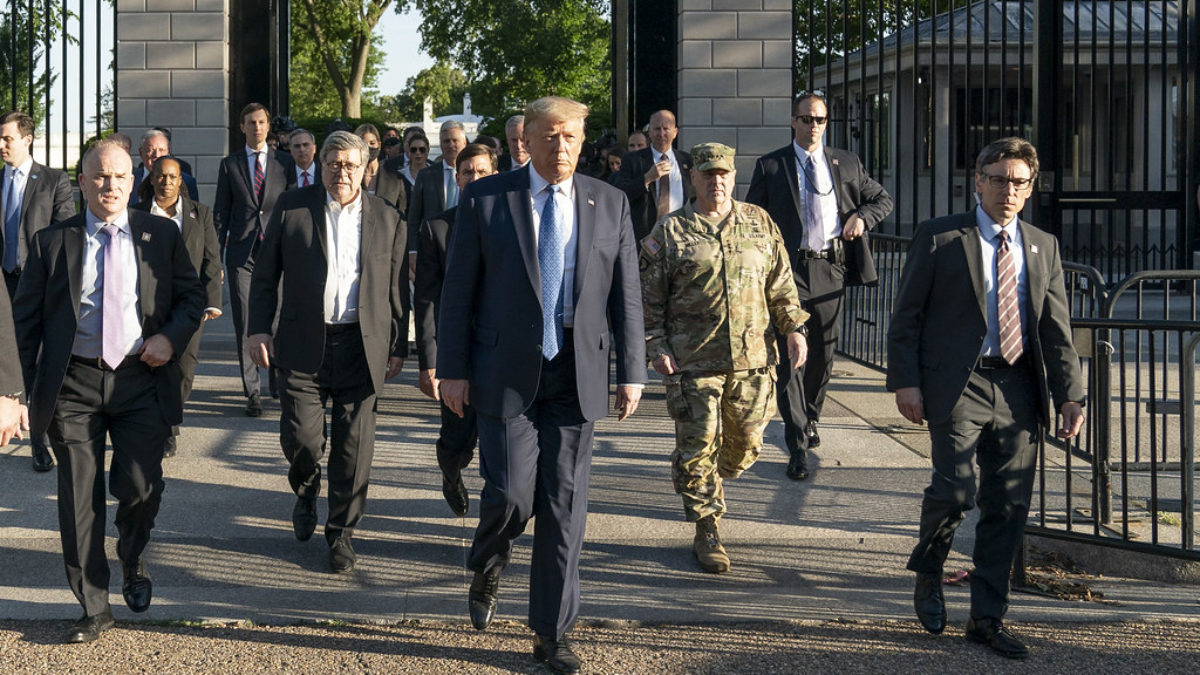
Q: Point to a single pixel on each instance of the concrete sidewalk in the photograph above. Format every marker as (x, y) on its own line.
(832, 547)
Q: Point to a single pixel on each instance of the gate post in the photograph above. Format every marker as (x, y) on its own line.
(1047, 44)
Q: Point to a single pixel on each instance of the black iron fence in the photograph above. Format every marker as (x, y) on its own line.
(1104, 88)
(56, 60)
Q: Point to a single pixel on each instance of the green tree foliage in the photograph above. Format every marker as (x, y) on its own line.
(513, 51)
(24, 78)
(441, 82)
(333, 55)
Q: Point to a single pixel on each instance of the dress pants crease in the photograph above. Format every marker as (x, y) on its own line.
(821, 287)
(239, 306)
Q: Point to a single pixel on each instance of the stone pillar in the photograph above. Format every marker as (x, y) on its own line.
(735, 77)
(173, 71)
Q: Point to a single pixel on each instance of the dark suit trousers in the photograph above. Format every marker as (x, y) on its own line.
(238, 279)
(994, 425)
(345, 379)
(124, 405)
(538, 464)
(456, 441)
(10, 281)
(187, 369)
(821, 287)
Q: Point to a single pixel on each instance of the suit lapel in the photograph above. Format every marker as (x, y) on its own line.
(835, 170)
(520, 207)
(73, 247)
(1034, 271)
(142, 239)
(316, 210)
(31, 184)
(243, 169)
(368, 235)
(973, 249)
(793, 179)
(585, 231)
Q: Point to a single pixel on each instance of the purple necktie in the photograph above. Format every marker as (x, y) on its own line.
(112, 326)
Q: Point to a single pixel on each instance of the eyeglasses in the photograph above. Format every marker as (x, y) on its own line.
(339, 167)
(1002, 182)
(811, 119)
(418, 151)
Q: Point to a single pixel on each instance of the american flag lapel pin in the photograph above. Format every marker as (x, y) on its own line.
(145, 236)
(192, 214)
(1033, 248)
(835, 162)
(591, 202)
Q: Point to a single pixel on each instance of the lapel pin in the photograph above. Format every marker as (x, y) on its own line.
(591, 202)
(835, 162)
(192, 214)
(33, 176)
(1033, 248)
(145, 236)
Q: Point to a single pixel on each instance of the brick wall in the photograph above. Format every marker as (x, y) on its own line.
(735, 76)
(173, 71)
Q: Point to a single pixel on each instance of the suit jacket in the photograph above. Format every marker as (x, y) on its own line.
(428, 198)
(200, 239)
(11, 380)
(293, 182)
(295, 250)
(47, 200)
(643, 199)
(490, 316)
(775, 187)
(139, 175)
(238, 213)
(939, 320)
(46, 309)
(394, 186)
(427, 288)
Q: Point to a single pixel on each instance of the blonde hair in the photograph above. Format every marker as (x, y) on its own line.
(554, 108)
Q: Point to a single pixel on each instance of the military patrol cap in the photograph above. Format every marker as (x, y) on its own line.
(713, 156)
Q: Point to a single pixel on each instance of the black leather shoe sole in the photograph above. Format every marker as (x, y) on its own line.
(455, 494)
(137, 589)
(482, 599)
(43, 461)
(89, 628)
(304, 518)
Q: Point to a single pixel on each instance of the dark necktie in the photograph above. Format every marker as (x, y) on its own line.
(813, 224)
(663, 203)
(550, 259)
(112, 323)
(260, 176)
(12, 222)
(1007, 310)
(304, 178)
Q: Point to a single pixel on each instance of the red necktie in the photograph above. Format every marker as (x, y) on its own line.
(304, 177)
(1007, 311)
(260, 176)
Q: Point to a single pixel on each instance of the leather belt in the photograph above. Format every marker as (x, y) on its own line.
(98, 362)
(836, 252)
(997, 363)
(337, 328)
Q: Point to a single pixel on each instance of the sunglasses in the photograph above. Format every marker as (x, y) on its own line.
(811, 119)
(418, 150)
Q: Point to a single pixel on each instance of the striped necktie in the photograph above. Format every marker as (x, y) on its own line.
(1007, 309)
(260, 175)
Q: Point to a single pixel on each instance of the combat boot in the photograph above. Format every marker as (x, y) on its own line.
(707, 547)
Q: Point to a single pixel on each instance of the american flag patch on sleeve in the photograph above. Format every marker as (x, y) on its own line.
(651, 245)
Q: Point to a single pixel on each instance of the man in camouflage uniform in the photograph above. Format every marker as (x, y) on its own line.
(715, 283)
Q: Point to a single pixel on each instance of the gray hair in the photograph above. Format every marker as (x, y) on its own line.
(107, 143)
(555, 109)
(344, 140)
(301, 130)
(514, 121)
(151, 133)
(453, 124)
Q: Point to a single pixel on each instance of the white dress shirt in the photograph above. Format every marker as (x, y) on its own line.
(566, 204)
(15, 188)
(989, 232)
(676, 177)
(311, 171)
(254, 159)
(818, 240)
(89, 338)
(343, 234)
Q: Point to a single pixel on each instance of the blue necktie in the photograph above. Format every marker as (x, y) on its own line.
(12, 222)
(550, 260)
(813, 223)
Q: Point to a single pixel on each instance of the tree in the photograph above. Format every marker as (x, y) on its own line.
(514, 51)
(442, 82)
(26, 79)
(336, 35)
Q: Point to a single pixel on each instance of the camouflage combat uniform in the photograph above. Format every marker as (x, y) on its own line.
(713, 292)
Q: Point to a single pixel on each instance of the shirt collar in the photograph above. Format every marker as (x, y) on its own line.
(351, 209)
(159, 211)
(252, 151)
(658, 156)
(990, 229)
(817, 155)
(25, 168)
(537, 184)
(94, 223)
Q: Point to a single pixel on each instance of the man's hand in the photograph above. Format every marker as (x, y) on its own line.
(455, 394)
(797, 346)
(212, 313)
(412, 267)
(157, 350)
(1072, 414)
(910, 404)
(395, 363)
(627, 400)
(657, 171)
(665, 365)
(853, 228)
(261, 348)
(14, 419)
(427, 382)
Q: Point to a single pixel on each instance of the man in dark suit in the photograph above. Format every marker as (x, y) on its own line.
(980, 345)
(155, 143)
(541, 282)
(107, 300)
(514, 136)
(248, 183)
(303, 148)
(195, 223)
(823, 202)
(33, 197)
(14, 416)
(342, 331)
(657, 179)
(436, 188)
(458, 435)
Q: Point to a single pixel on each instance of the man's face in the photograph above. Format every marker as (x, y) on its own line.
(166, 179)
(14, 148)
(256, 126)
(107, 180)
(153, 148)
(714, 188)
(554, 147)
(342, 172)
(1003, 203)
(282, 141)
(473, 169)
(808, 134)
(515, 135)
(637, 141)
(303, 150)
(452, 141)
(662, 130)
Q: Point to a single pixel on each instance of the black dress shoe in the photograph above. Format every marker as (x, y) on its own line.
(455, 492)
(137, 588)
(341, 555)
(482, 598)
(995, 634)
(89, 628)
(797, 469)
(43, 461)
(930, 603)
(169, 447)
(254, 406)
(272, 382)
(304, 517)
(810, 430)
(556, 654)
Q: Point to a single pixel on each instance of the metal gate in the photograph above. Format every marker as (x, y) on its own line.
(1104, 88)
